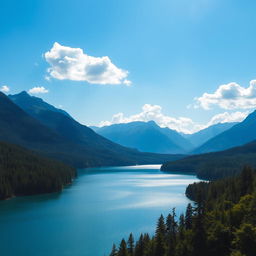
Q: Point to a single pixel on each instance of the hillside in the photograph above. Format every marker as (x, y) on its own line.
(23, 172)
(239, 134)
(200, 137)
(146, 137)
(58, 135)
(216, 165)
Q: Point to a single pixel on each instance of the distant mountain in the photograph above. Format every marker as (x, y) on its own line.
(58, 135)
(216, 165)
(146, 137)
(199, 138)
(237, 135)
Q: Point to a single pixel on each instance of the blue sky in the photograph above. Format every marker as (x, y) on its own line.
(174, 51)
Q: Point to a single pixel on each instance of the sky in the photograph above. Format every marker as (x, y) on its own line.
(184, 64)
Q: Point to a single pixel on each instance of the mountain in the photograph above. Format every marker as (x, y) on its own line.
(56, 134)
(23, 172)
(145, 136)
(33, 103)
(199, 138)
(237, 135)
(216, 165)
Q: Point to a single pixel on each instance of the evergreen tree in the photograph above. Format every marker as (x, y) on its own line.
(114, 251)
(123, 249)
(222, 223)
(188, 216)
(245, 239)
(160, 237)
(130, 243)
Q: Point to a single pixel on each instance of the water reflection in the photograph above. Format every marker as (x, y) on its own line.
(100, 207)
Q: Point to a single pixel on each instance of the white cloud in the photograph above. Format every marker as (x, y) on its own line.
(181, 124)
(5, 89)
(227, 117)
(73, 64)
(38, 90)
(230, 96)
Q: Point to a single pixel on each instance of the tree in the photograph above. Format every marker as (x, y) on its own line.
(114, 251)
(160, 237)
(130, 243)
(188, 216)
(245, 239)
(123, 249)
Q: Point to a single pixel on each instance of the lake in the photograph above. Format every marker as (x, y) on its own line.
(102, 206)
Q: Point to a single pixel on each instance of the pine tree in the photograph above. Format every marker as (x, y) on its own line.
(130, 243)
(160, 237)
(114, 251)
(188, 216)
(123, 249)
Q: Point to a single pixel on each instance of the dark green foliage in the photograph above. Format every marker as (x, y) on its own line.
(123, 249)
(114, 251)
(217, 165)
(23, 172)
(189, 216)
(130, 243)
(221, 223)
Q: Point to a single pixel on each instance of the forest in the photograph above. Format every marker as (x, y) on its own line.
(216, 165)
(23, 172)
(221, 222)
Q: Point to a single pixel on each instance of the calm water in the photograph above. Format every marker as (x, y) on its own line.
(102, 206)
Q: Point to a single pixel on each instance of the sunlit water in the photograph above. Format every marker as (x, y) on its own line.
(102, 206)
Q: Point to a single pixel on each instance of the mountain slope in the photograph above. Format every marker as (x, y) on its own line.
(237, 135)
(145, 136)
(218, 164)
(76, 143)
(199, 138)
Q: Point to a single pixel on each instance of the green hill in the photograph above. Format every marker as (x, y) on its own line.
(216, 165)
(23, 172)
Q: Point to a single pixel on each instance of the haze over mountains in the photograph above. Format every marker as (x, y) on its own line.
(237, 135)
(149, 137)
(146, 137)
(200, 137)
(30, 122)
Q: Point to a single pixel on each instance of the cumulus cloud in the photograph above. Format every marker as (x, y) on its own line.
(227, 117)
(229, 96)
(73, 64)
(38, 90)
(181, 124)
(5, 89)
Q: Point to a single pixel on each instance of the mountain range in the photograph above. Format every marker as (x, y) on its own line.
(149, 137)
(237, 135)
(202, 136)
(146, 136)
(30, 122)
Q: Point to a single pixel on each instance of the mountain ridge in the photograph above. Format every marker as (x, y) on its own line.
(145, 136)
(237, 135)
(76, 144)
